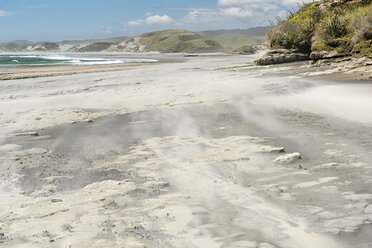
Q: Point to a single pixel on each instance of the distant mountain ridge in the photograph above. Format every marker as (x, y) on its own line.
(165, 41)
(26, 45)
(22, 42)
(256, 31)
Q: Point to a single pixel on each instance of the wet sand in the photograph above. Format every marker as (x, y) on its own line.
(212, 152)
(49, 71)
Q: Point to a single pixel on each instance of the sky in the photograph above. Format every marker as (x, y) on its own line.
(56, 20)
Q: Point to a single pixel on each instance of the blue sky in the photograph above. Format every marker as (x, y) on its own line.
(38, 20)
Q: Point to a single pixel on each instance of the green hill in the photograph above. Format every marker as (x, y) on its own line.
(179, 40)
(198, 45)
(234, 41)
(166, 41)
(236, 38)
(98, 46)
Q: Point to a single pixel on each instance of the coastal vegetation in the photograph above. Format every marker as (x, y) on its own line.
(321, 28)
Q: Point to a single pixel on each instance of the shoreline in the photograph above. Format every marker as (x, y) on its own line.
(50, 71)
(337, 70)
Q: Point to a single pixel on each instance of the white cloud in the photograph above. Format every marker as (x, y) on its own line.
(233, 2)
(255, 15)
(156, 19)
(246, 4)
(210, 15)
(247, 12)
(227, 14)
(284, 3)
(153, 20)
(107, 29)
(4, 13)
(237, 12)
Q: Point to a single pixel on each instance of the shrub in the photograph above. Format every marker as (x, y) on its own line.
(330, 25)
(307, 19)
(284, 35)
(334, 25)
(298, 30)
(363, 48)
(362, 27)
(319, 45)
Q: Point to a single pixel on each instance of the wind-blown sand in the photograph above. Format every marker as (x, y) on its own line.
(211, 152)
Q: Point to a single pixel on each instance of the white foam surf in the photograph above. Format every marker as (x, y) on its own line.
(63, 59)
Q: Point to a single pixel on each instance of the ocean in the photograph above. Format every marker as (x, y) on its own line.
(13, 60)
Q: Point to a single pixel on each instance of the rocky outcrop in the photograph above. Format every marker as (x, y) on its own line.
(280, 56)
(288, 158)
(245, 50)
(316, 55)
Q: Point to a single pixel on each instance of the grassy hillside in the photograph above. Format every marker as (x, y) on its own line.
(166, 41)
(231, 42)
(178, 40)
(198, 45)
(96, 46)
(343, 27)
(236, 38)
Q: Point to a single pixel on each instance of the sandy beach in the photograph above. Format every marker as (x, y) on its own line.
(205, 152)
(37, 72)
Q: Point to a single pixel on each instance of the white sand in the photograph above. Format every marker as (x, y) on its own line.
(207, 184)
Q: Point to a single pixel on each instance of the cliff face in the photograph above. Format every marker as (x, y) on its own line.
(327, 29)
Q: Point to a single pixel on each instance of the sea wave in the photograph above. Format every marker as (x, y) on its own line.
(62, 59)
